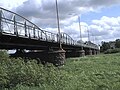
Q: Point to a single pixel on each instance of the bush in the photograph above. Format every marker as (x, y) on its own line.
(110, 51)
(15, 72)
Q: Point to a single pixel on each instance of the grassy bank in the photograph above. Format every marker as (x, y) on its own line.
(88, 73)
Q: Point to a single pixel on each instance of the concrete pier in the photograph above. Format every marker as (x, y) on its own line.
(94, 52)
(57, 57)
(82, 53)
(90, 52)
(75, 53)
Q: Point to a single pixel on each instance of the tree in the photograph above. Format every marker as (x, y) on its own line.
(105, 46)
(117, 43)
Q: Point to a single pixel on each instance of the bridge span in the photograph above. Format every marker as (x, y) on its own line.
(17, 32)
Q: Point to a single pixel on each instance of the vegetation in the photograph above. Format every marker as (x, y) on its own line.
(105, 46)
(111, 51)
(117, 44)
(88, 73)
(110, 47)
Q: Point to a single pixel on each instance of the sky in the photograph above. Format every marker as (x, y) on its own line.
(101, 18)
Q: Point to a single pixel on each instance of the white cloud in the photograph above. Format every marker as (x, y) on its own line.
(107, 28)
(104, 29)
(10, 4)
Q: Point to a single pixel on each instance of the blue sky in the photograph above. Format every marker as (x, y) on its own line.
(101, 17)
(113, 11)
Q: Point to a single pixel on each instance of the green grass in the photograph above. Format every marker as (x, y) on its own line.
(101, 72)
(95, 72)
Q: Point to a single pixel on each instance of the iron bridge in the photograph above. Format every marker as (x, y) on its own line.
(17, 32)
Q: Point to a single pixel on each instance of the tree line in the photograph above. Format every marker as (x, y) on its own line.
(110, 45)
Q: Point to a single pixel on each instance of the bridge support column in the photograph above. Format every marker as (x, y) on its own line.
(75, 53)
(89, 52)
(57, 57)
(94, 52)
(82, 53)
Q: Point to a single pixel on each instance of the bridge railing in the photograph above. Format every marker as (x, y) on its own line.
(66, 39)
(14, 24)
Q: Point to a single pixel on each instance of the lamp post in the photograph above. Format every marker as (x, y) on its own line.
(88, 34)
(58, 23)
(93, 36)
(80, 28)
(79, 19)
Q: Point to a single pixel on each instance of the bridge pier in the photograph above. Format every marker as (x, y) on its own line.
(75, 53)
(57, 57)
(82, 52)
(88, 52)
(94, 52)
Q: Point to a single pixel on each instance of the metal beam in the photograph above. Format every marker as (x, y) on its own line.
(15, 27)
(79, 19)
(34, 31)
(25, 29)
